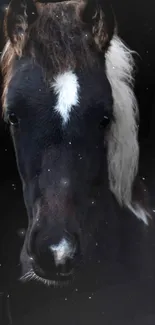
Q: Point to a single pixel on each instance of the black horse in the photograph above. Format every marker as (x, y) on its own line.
(68, 98)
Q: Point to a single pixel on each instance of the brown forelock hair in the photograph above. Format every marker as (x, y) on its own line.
(57, 40)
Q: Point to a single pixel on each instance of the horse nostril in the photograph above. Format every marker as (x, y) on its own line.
(58, 259)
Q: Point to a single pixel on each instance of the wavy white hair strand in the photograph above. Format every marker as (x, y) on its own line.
(122, 142)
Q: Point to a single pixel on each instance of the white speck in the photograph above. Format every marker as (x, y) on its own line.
(31, 258)
(144, 190)
(153, 211)
(93, 202)
(96, 244)
(14, 186)
(64, 182)
(99, 261)
(6, 149)
(90, 297)
(49, 170)
(113, 67)
(143, 178)
(65, 298)
(39, 89)
(33, 13)
(21, 232)
(4, 8)
(8, 296)
(0, 265)
(70, 142)
(76, 289)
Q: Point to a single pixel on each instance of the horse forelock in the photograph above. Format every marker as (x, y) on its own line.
(56, 41)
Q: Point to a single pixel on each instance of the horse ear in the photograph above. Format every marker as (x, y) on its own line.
(99, 17)
(19, 16)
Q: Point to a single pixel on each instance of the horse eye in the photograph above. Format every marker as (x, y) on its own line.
(13, 119)
(104, 122)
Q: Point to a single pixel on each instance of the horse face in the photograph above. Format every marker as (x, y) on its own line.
(58, 135)
(58, 110)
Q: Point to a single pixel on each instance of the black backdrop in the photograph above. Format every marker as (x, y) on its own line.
(136, 22)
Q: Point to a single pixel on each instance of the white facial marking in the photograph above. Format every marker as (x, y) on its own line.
(62, 251)
(64, 182)
(66, 88)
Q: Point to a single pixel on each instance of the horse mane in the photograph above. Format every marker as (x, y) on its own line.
(122, 138)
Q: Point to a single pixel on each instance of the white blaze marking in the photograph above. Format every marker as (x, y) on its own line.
(66, 88)
(62, 251)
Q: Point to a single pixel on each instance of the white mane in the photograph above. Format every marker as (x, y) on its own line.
(123, 148)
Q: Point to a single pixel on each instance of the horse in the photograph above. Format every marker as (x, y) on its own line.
(68, 98)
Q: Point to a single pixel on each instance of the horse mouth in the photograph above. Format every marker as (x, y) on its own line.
(60, 280)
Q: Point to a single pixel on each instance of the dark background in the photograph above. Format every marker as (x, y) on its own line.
(111, 290)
